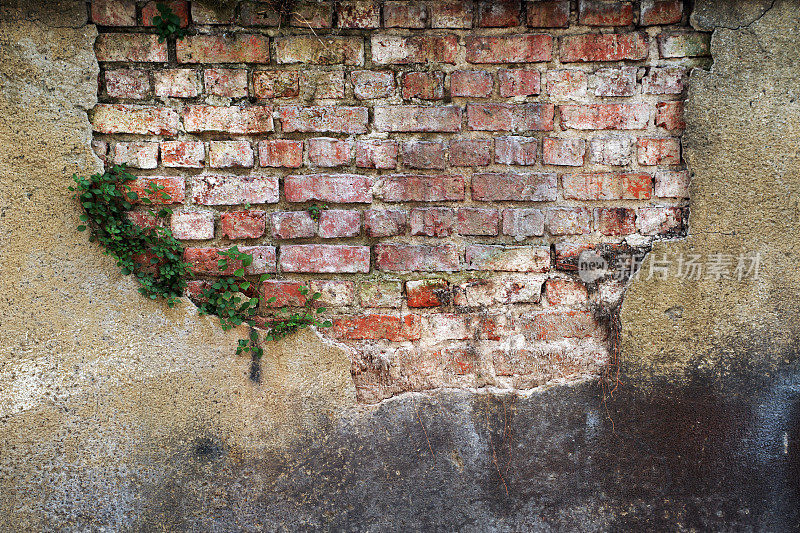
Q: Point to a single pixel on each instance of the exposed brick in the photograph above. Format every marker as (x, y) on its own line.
(567, 254)
(226, 154)
(508, 258)
(471, 83)
(319, 50)
(127, 83)
(234, 190)
(280, 153)
(192, 226)
(172, 186)
(548, 13)
(655, 12)
(615, 81)
(179, 7)
(684, 44)
(523, 223)
(324, 258)
(500, 289)
(285, 293)
(137, 47)
(607, 186)
(568, 221)
(417, 118)
(373, 327)
(672, 183)
(516, 150)
(510, 117)
(659, 220)
(312, 15)
(176, 83)
(292, 225)
(659, 151)
(424, 85)
(385, 222)
(404, 14)
(258, 14)
(343, 188)
(231, 83)
(336, 119)
(381, 294)
(603, 47)
(568, 84)
(183, 154)
(232, 48)
(206, 260)
(376, 154)
(136, 154)
(276, 83)
(432, 221)
(422, 188)
(424, 154)
(322, 84)
(669, 115)
(212, 13)
(404, 50)
(358, 14)
(248, 224)
(524, 48)
(326, 152)
(554, 325)
(368, 84)
(452, 14)
(498, 13)
(615, 151)
(477, 221)
(100, 148)
(335, 223)
(566, 152)
(665, 80)
(334, 293)
(114, 13)
(616, 221)
(513, 186)
(519, 82)
(470, 152)
(234, 119)
(410, 258)
(605, 116)
(427, 293)
(565, 292)
(144, 120)
(604, 13)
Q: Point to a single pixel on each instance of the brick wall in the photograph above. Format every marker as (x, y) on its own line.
(467, 152)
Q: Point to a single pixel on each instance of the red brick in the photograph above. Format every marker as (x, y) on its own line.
(179, 7)
(376, 154)
(507, 289)
(470, 153)
(374, 327)
(324, 258)
(190, 154)
(234, 190)
(334, 293)
(516, 150)
(684, 44)
(566, 84)
(565, 292)
(369, 84)
(548, 13)
(343, 188)
(424, 154)
(212, 13)
(404, 50)
(326, 152)
(143, 120)
(258, 14)
(427, 293)
(607, 186)
(615, 81)
(424, 85)
(135, 47)
(286, 293)
(615, 151)
(319, 50)
(498, 13)
(432, 221)
(280, 153)
(192, 226)
(659, 151)
(513, 186)
(471, 83)
(385, 222)
(312, 15)
(231, 83)
(452, 14)
(412, 118)
(422, 188)
(605, 116)
(173, 186)
(206, 260)
(234, 119)
(518, 82)
(603, 47)
(276, 83)
(655, 12)
(672, 183)
(567, 254)
(176, 83)
(568, 221)
(322, 84)
(113, 13)
(604, 13)
(292, 225)
(410, 258)
(404, 14)
(226, 154)
(127, 83)
(243, 224)
(616, 221)
(508, 258)
(335, 223)
(476, 221)
(381, 294)
(358, 14)
(524, 48)
(510, 117)
(669, 115)
(336, 119)
(659, 220)
(565, 152)
(136, 154)
(230, 48)
(523, 223)
(665, 80)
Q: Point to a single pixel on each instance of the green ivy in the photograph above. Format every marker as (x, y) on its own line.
(167, 23)
(307, 316)
(316, 210)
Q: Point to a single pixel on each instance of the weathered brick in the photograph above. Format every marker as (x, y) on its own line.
(276, 83)
(659, 151)
(228, 82)
(398, 14)
(477, 221)
(234, 190)
(565, 292)
(669, 115)
(566, 152)
(614, 81)
(192, 225)
(659, 220)
(424, 85)
(127, 83)
(280, 153)
(324, 258)
(114, 13)
(427, 293)
(452, 14)
(523, 223)
(603, 47)
(605, 116)
(614, 151)
(470, 152)
(319, 50)
(548, 13)
(143, 120)
(231, 48)
(432, 221)
(664, 80)
(226, 154)
(136, 154)
(312, 15)
(417, 118)
(616, 220)
(498, 13)
(381, 294)
(343, 188)
(250, 224)
(404, 50)
(259, 14)
(206, 260)
(385, 222)
(376, 154)
(655, 12)
(523, 48)
(285, 293)
(326, 152)
(321, 84)
(513, 186)
(516, 150)
(335, 293)
(684, 44)
(233, 119)
(137, 47)
(176, 83)
(510, 117)
(358, 14)
(604, 13)
(422, 188)
(373, 327)
(499, 289)
(568, 84)
(508, 258)
(368, 84)
(292, 225)
(672, 183)
(471, 83)
(567, 254)
(212, 13)
(335, 223)
(179, 7)
(100, 148)
(187, 154)
(519, 82)
(607, 186)
(424, 154)
(410, 258)
(568, 221)
(336, 119)
(174, 187)
(552, 325)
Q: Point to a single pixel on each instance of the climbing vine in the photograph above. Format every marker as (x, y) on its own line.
(167, 23)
